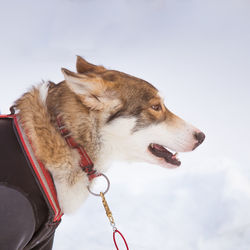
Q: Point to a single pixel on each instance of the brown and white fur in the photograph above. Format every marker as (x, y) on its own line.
(111, 114)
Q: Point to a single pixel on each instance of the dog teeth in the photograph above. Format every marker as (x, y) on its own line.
(175, 155)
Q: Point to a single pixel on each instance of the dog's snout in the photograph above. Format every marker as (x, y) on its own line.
(200, 137)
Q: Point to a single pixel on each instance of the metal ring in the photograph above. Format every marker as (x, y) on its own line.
(107, 189)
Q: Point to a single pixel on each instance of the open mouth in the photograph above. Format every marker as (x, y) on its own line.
(162, 152)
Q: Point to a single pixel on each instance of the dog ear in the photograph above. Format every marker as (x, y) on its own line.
(91, 89)
(82, 66)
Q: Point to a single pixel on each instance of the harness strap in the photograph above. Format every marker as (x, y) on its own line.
(41, 172)
(85, 162)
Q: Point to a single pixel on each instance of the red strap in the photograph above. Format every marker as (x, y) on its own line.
(6, 116)
(42, 174)
(125, 242)
(85, 162)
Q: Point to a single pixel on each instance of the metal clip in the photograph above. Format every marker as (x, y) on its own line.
(108, 211)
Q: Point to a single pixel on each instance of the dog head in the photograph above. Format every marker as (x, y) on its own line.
(134, 123)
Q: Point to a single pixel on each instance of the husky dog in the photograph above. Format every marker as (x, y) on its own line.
(112, 115)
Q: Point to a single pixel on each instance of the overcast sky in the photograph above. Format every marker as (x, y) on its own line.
(197, 53)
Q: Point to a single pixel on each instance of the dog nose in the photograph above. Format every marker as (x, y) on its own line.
(200, 137)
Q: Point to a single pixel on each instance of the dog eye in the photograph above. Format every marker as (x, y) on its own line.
(156, 107)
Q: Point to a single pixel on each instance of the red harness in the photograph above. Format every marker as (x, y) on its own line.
(85, 162)
(41, 172)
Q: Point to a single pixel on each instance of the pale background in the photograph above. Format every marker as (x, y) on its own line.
(197, 53)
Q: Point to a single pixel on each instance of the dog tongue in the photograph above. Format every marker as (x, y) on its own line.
(162, 152)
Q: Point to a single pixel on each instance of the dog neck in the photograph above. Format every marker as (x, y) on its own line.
(38, 110)
(77, 118)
